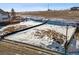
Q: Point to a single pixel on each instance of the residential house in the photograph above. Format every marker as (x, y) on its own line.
(4, 16)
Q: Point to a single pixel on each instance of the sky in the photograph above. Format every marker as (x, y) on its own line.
(36, 6)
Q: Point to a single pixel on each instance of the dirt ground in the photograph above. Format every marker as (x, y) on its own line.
(13, 49)
(9, 47)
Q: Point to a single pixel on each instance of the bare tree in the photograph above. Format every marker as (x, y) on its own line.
(13, 14)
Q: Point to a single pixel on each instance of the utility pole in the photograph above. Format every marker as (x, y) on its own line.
(48, 7)
(48, 10)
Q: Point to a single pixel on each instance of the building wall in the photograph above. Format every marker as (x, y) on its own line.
(4, 17)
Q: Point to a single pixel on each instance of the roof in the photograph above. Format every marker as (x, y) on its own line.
(3, 12)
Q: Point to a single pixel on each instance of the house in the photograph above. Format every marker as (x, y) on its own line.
(4, 16)
(75, 8)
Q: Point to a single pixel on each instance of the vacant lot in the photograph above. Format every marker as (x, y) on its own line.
(67, 14)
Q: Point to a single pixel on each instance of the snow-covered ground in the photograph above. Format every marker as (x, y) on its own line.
(29, 37)
(77, 44)
(74, 47)
(35, 37)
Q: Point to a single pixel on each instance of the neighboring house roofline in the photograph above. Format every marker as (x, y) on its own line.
(3, 12)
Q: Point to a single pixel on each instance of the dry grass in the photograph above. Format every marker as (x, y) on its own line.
(50, 34)
(54, 14)
(14, 28)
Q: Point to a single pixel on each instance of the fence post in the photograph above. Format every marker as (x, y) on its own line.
(66, 47)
